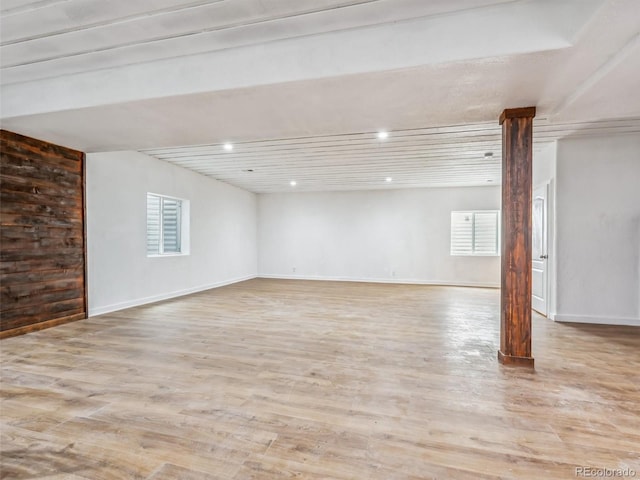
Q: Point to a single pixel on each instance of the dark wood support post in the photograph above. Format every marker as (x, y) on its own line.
(515, 301)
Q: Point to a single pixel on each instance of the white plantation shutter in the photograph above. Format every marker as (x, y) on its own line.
(153, 224)
(461, 233)
(171, 225)
(485, 235)
(474, 233)
(164, 225)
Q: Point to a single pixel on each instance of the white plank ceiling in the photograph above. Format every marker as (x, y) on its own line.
(45, 38)
(467, 155)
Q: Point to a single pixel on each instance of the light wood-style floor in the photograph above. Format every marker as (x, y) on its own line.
(271, 379)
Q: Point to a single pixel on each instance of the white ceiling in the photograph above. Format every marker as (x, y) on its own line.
(294, 83)
(49, 38)
(464, 155)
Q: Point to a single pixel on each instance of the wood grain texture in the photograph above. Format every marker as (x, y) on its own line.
(42, 254)
(522, 112)
(41, 325)
(271, 379)
(517, 180)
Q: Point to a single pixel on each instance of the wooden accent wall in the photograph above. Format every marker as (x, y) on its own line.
(42, 235)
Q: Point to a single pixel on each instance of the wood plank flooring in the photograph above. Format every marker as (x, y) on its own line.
(270, 379)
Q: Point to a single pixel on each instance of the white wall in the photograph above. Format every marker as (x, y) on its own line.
(380, 235)
(223, 232)
(598, 229)
(544, 165)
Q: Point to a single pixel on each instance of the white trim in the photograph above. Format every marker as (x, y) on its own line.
(164, 296)
(405, 281)
(171, 197)
(184, 227)
(630, 321)
(546, 244)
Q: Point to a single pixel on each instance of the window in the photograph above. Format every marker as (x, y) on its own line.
(167, 225)
(475, 233)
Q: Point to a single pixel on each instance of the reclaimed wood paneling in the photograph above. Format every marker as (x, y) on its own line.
(42, 235)
(515, 318)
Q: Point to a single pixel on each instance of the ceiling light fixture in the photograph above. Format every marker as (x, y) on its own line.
(388, 179)
(293, 183)
(228, 147)
(488, 155)
(382, 135)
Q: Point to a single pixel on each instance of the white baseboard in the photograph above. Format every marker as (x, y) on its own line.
(630, 321)
(404, 281)
(163, 296)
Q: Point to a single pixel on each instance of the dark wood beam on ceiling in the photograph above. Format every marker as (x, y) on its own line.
(515, 301)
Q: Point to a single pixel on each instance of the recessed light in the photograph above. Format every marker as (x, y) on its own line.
(293, 183)
(388, 179)
(382, 135)
(228, 147)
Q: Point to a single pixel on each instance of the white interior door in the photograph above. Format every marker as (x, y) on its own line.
(539, 250)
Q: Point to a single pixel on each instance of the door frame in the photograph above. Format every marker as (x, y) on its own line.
(546, 245)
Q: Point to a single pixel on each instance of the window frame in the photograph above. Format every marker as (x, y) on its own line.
(183, 221)
(473, 252)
